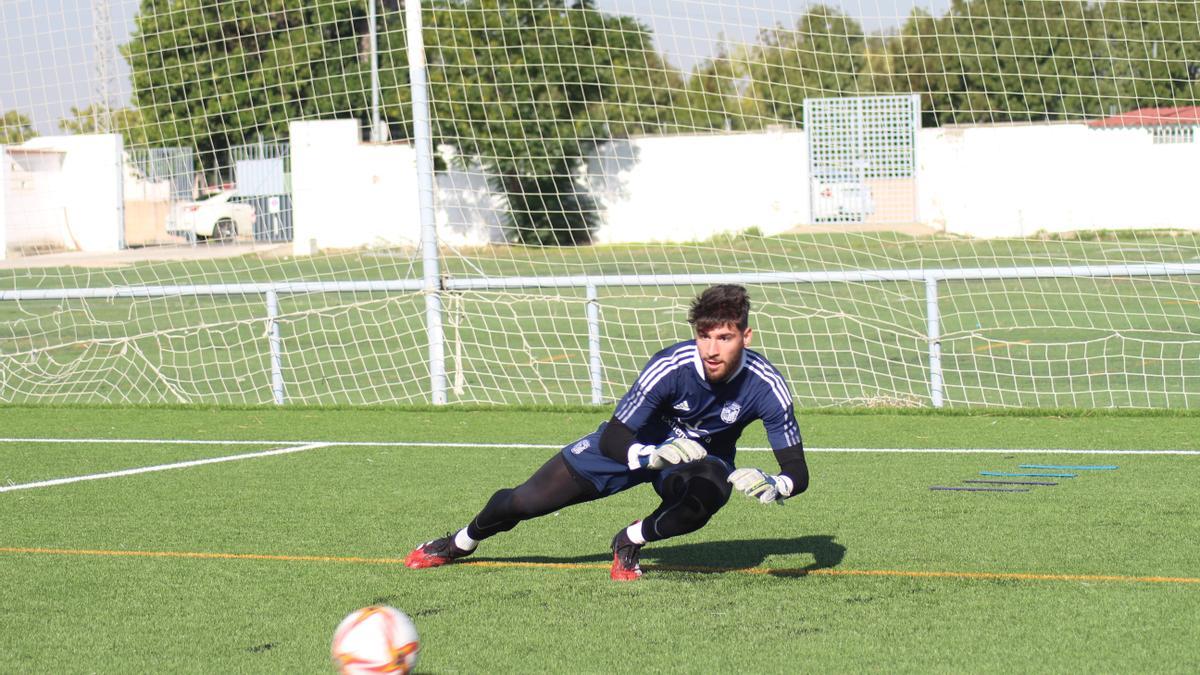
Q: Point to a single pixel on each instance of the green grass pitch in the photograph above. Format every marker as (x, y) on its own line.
(247, 566)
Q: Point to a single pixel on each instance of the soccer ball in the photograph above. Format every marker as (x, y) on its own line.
(377, 639)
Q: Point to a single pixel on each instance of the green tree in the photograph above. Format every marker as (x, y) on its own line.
(877, 70)
(1154, 50)
(714, 94)
(822, 56)
(527, 87)
(15, 128)
(214, 75)
(91, 120)
(530, 88)
(1005, 60)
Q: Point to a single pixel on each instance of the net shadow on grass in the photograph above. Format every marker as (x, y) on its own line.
(717, 557)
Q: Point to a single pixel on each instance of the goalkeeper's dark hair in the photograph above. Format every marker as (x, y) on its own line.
(720, 305)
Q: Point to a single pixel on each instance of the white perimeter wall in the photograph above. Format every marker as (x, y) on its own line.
(999, 181)
(348, 194)
(1011, 181)
(82, 207)
(690, 188)
(4, 188)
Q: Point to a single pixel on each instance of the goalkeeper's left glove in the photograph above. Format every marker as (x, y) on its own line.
(674, 451)
(763, 486)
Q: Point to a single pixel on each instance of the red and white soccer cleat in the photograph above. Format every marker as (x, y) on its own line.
(435, 553)
(625, 566)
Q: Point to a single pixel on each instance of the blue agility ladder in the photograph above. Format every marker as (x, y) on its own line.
(1040, 475)
(1083, 467)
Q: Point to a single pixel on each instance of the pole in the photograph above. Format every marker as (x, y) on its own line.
(423, 145)
(593, 319)
(276, 347)
(374, 38)
(935, 342)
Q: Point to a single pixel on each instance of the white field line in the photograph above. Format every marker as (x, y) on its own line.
(162, 467)
(544, 446)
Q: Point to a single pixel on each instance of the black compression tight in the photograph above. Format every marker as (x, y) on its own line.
(691, 495)
(549, 489)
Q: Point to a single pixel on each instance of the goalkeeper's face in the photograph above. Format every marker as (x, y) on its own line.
(721, 349)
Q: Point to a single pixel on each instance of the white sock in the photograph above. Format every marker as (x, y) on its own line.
(464, 542)
(634, 532)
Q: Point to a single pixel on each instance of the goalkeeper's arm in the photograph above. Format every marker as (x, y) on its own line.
(766, 488)
(618, 443)
(792, 465)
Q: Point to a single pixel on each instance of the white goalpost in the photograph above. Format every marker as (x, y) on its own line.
(970, 204)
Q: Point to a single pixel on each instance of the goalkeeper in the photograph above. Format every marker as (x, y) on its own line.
(677, 429)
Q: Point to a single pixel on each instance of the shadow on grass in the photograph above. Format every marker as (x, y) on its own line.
(716, 557)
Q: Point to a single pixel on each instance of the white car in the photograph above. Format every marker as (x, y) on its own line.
(217, 217)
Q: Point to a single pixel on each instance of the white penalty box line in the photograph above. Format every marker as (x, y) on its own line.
(151, 469)
(301, 446)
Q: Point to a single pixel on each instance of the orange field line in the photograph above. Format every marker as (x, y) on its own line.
(825, 572)
(549, 359)
(1000, 345)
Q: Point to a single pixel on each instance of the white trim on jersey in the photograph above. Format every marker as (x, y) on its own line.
(653, 374)
(766, 373)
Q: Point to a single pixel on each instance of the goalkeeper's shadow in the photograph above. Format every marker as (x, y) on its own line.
(719, 557)
(748, 555)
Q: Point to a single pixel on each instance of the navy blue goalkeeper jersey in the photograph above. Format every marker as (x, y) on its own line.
(673, 398)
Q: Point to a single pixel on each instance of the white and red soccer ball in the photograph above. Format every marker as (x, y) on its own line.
(377, 639)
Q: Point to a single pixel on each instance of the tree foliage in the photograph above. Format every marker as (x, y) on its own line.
(527, 87)
(96, 119)
(1004, 61)
(981, 61)
(213, 75)
(821, 56)
(15, 128)
(530, 88)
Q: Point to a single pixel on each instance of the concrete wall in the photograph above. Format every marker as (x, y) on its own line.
(348, 194)
(67, 195)
(997, 181)
(147, 205)
(690, 188)
(5, 169)
(679, 188)
(1012, 181)
(35, 216)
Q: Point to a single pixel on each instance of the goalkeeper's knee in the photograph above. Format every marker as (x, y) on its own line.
(689, 503)
(497, 516)
(705, 478)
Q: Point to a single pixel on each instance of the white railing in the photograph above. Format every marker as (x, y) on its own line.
(437, 394)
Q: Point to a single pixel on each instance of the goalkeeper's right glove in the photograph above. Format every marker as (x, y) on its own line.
(762, 486)
(674, 451)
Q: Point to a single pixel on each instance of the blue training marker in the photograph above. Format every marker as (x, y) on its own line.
(1083, 467)
(1045, 475)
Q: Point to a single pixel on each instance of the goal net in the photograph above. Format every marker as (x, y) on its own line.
(967, 203)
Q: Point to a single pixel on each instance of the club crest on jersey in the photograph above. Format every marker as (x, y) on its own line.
(579, 447)
(729, 413)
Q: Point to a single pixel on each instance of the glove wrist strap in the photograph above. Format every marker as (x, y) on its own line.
(784, 485)
(638, 456)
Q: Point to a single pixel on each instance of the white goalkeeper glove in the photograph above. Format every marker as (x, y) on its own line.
(674, 451)
(765, 487)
